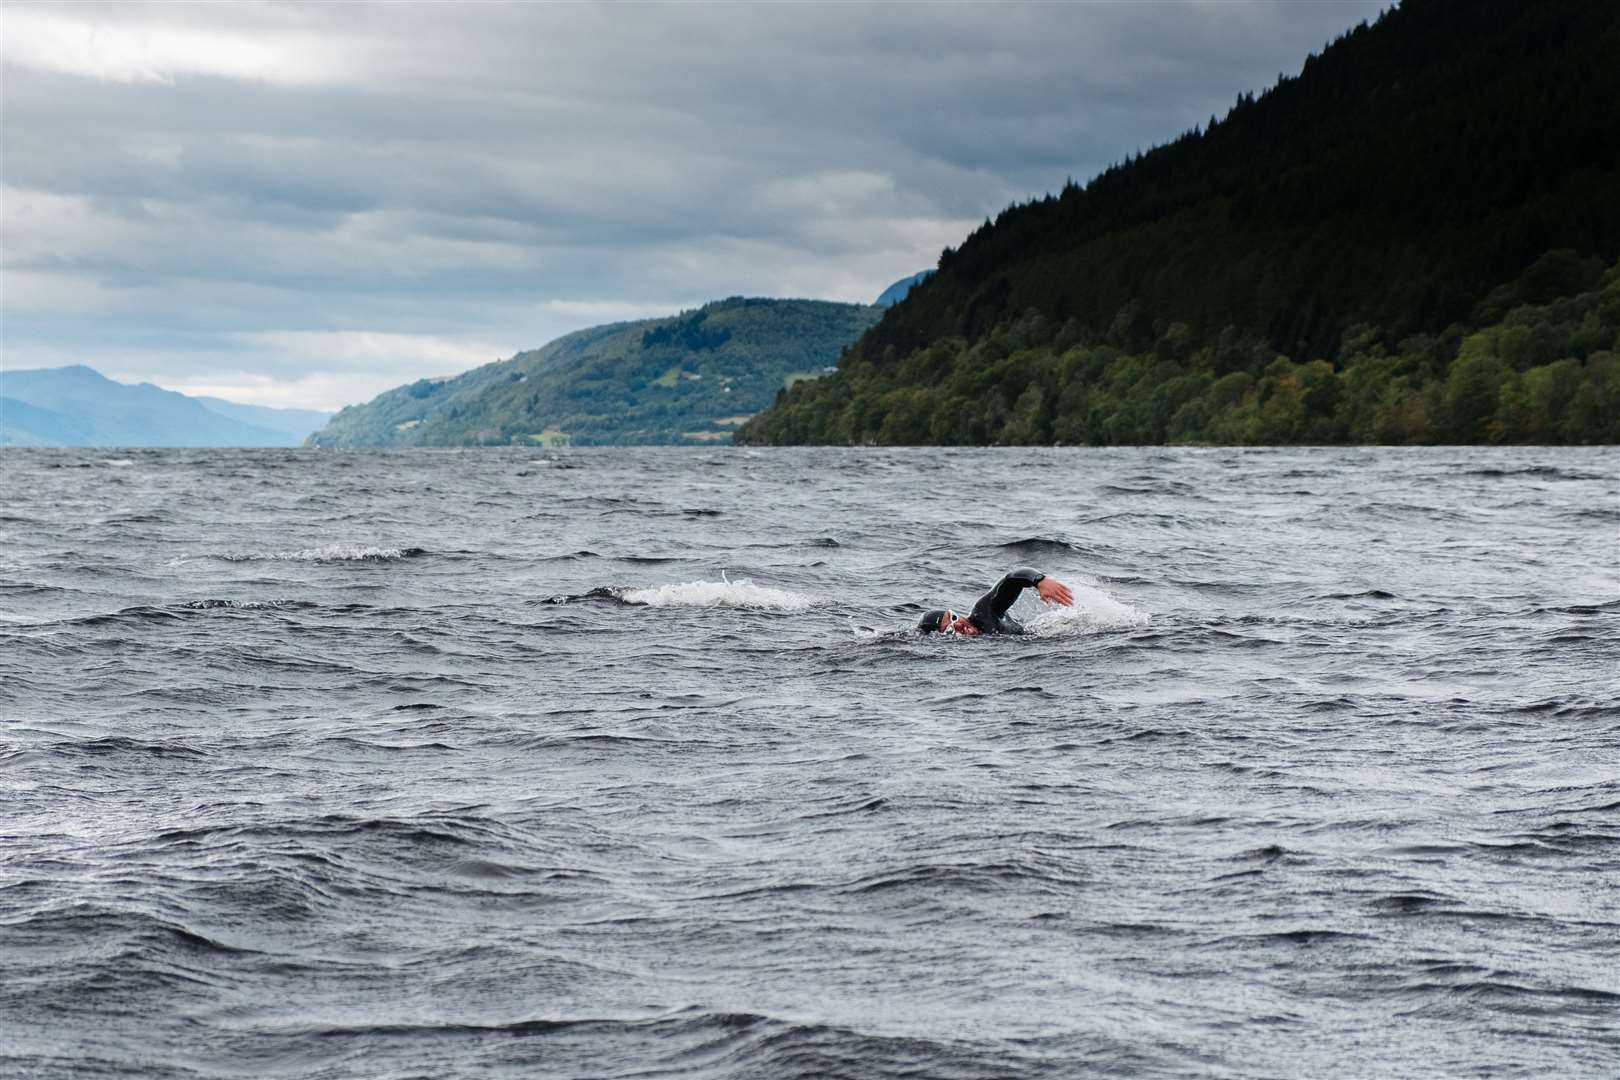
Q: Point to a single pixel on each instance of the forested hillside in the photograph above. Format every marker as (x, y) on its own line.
(1367, 209)
(1532, 373)
(686, 379)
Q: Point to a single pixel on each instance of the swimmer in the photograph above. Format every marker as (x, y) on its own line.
(989, 614)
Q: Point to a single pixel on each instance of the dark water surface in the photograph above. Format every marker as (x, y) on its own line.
(303, 773)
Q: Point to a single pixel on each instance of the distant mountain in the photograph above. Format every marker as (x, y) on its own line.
(22, 424)
(296, 423)
(897, 292)
(78, 406)
(688, 378)
(1336, 260)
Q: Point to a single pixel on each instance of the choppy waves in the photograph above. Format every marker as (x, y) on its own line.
(579, 770)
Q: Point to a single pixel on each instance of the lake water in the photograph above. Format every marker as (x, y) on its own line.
(614, 763)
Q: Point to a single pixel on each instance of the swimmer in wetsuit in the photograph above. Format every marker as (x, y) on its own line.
(989, 614)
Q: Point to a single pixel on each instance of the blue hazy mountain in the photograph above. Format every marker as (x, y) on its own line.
(897, 292)
(78, 406)
(22, 424)
(296, 423)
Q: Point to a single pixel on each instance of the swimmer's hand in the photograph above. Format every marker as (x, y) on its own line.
(1053, 591)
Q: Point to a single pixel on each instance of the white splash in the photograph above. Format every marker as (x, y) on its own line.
(741, 593)
(326, 553)
(1093, 611)
(339, 553)
(238, 605)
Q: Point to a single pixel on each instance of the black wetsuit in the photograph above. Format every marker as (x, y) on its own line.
(990, 611)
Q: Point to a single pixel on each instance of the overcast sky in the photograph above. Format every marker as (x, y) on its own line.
(306, 205)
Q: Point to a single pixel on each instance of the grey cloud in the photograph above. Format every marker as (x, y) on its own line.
(460, 166)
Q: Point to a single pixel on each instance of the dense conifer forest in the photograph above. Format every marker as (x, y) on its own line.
(1413, 240)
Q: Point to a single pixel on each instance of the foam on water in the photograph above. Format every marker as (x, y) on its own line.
(741, 593)
(1093, 611)
(241, 605)
(325, 553)
(339, 553)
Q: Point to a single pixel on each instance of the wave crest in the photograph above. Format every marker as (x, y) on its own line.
(324, 553)
(741, 593)
(1040, 545)
(245, 605)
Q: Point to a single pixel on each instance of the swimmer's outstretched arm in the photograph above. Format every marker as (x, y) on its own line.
(995, 603)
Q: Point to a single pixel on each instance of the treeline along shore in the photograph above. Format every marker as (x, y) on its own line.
(1414, 240)
(1542, 373)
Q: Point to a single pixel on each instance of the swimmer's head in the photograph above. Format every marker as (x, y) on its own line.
(946, 621)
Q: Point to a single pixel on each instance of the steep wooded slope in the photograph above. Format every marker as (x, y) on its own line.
(1378, 197)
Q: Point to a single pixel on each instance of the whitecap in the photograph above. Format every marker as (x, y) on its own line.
(1093, 611)
(239, 605)
(741, 593)
(342, 553)
(326, 553)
